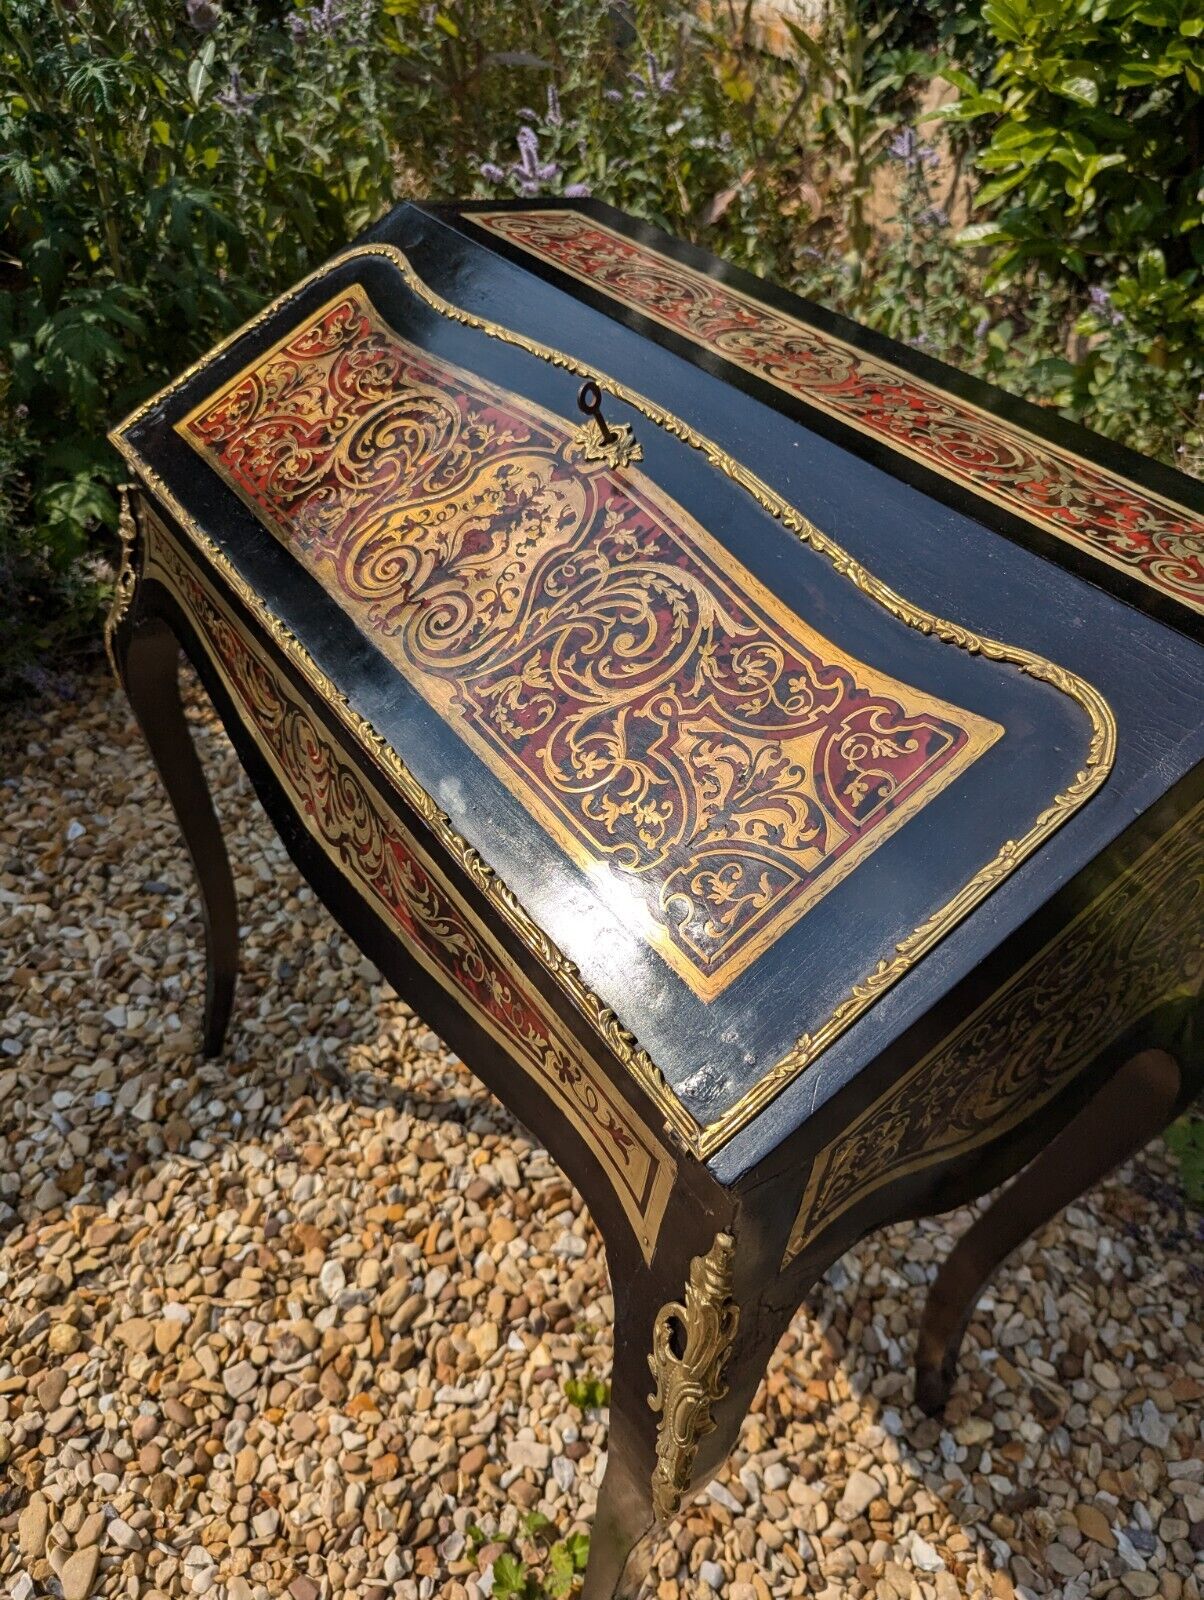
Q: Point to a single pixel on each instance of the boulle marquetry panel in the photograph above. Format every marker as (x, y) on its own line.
(384, 862)
(1138, 944)
(1062, 764)
(1115, 520)
(657, 709)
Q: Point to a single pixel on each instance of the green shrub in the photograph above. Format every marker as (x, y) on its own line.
(163, 167)
(533, 1563)
(166, 165)
(1095, 168)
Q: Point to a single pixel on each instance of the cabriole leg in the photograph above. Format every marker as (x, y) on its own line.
(1135, 1104)
(148, 659)
(620, 1546)
(684, 1376)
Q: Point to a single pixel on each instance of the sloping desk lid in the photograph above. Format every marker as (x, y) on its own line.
(730, 786)
(1132, 525)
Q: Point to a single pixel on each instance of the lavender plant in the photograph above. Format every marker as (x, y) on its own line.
(166, 165)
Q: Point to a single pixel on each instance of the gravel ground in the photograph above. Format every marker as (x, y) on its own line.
(239, 1355)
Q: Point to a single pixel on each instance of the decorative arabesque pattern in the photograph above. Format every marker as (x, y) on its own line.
(601, 1017)
(1114, 519)
(1138, 944)
(649, 702)
(383, 860)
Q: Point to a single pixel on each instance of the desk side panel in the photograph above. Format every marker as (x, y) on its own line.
(1115, 964)
(387, 882)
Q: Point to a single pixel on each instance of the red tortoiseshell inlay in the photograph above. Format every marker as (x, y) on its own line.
(1115, 520)
(380, 856)
(713, 763)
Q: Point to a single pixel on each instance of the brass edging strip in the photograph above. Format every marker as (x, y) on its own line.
(701, 1140)
(488, 220)
(646, 1222)
(1029, 1056)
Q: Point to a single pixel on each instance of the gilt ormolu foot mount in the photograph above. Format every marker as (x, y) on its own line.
(771, 761)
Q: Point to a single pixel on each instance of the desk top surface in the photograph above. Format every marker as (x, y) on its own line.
(750, 724)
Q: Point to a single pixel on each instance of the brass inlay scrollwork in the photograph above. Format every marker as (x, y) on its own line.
(1096, 508)
(681, 734)
(702, 1140)
(691, 1341)
(1134, 946)
(383, 861)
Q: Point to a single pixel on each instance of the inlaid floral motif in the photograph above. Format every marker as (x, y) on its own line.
(1115, 520)
(660, 713)
(371, 847)
(1134, 947)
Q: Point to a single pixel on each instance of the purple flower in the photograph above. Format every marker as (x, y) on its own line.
(577, 191)
(906, 147)
(554, 117)
(656, 81)
(203, 15)
(326, 18)
(234, 98)
(982, 327)
(1101, 304)
(660, 82)
(612, 94)
(933, 217)
(529, 171)
(491, 172)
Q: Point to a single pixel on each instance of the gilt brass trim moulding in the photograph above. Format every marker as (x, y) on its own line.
(385, 865)
(701, 1140)
(1096, 509)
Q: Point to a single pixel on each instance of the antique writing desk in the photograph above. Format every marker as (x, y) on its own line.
(771, 760)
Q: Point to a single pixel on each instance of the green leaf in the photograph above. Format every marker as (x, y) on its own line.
(587, 1394)
(1080, 86)
(1006, 19)
(979, 233)
(200, 72)
(561, 1571)
(998, 187)
(509, 1575)
(1185, 1139)
(577, 1544)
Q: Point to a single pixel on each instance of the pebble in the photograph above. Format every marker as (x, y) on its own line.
(32, 1527)
(78, 1573)
(240, 1379)
(300, 1318)
(332, 1280)
(859, 1490)
(529, 1453)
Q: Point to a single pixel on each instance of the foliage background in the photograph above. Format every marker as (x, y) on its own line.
(166, 165)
